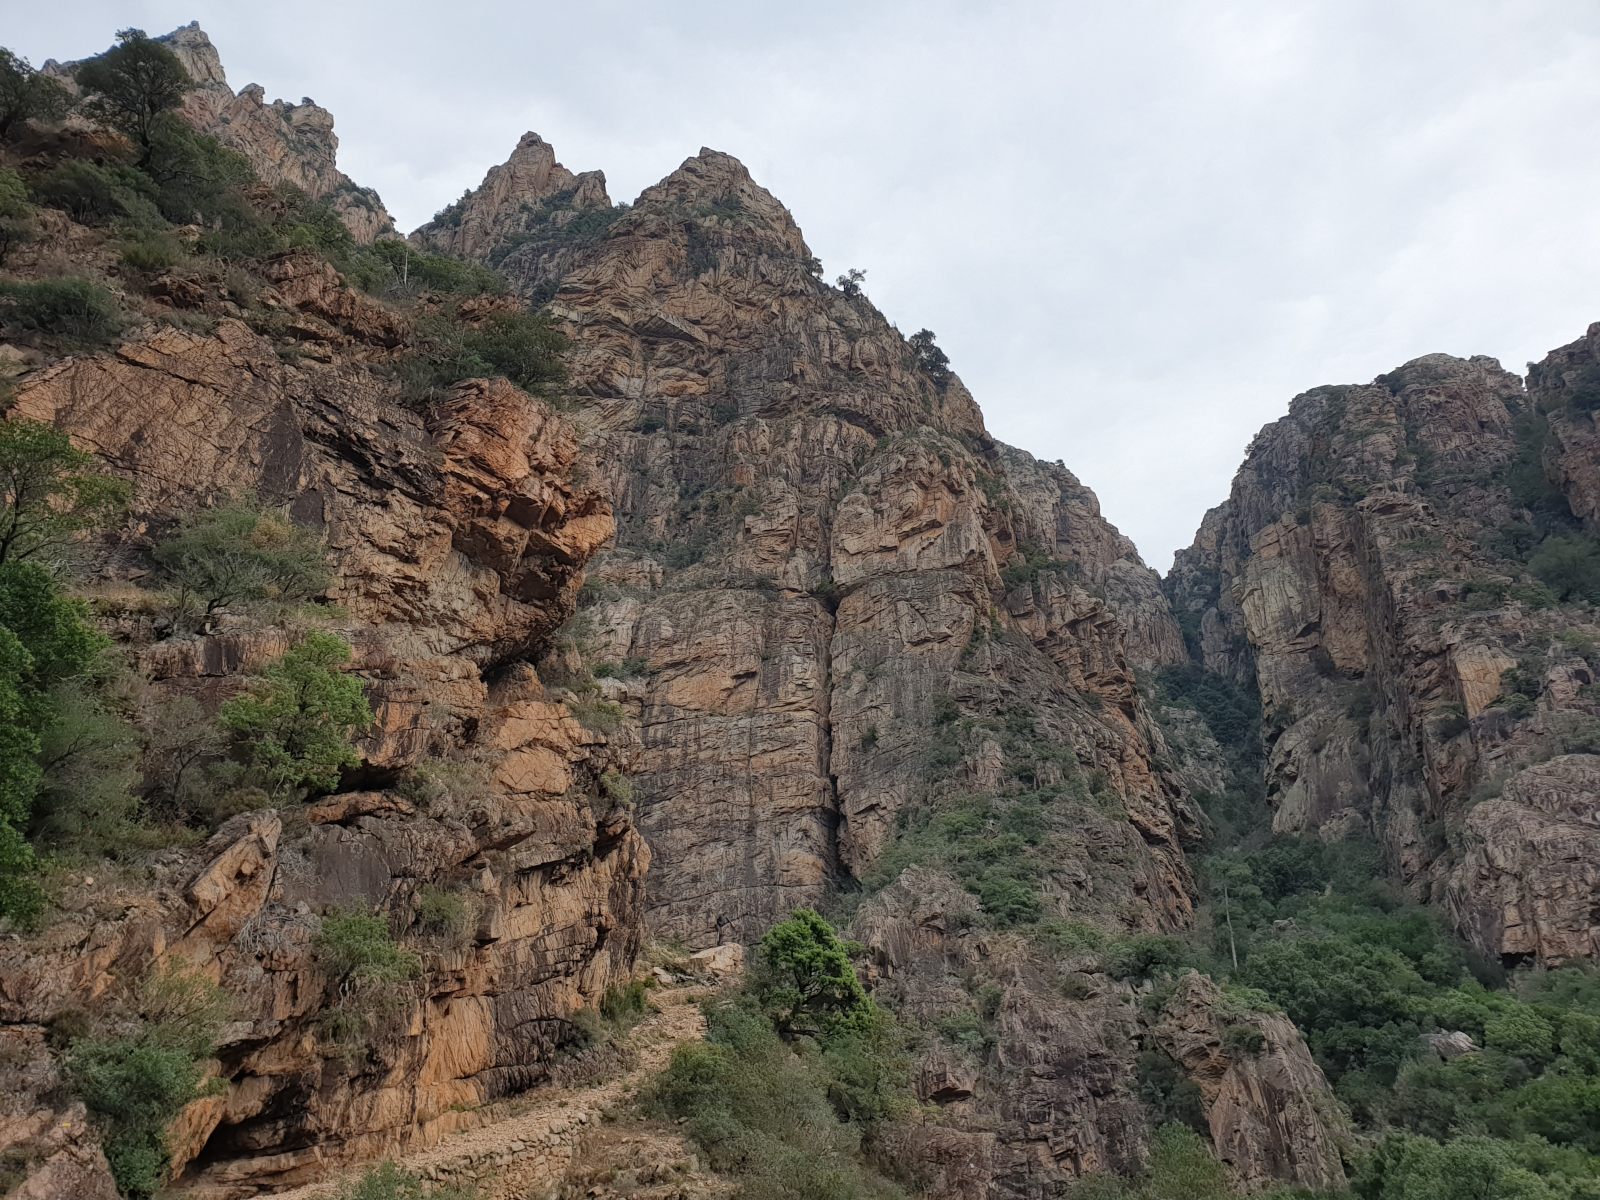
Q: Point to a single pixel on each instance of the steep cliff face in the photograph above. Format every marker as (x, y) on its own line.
(1369, 575)
(457, 544)
(530, 218)
(844, 622)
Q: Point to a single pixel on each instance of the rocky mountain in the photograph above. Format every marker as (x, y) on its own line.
(742, 611)
(284, 143)
(836, 609)
(1370, 575)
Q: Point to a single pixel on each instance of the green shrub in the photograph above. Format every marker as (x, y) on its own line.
(152, 252)
(16, 214)
(1145, 956)
(357, 947)
(592, 712)
(387, 1181)
(446, 913)
(92, 194)
(762, 1113)
(804, 979)
(242, 553)
(1181, 1168)
(137, 1082)
(296, 723)
(74, 311)
(523, 347)
(1569, 567)
(367, 971)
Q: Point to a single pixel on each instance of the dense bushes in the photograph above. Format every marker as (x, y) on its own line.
(1568, 566)
(138, 1076)
(79, 313)
(522, 346)
(789, 1117)
(1365, 976)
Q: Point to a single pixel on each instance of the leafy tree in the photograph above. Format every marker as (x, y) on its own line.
(45, 640)
(26, 95)
(49, 491)
(934, 362)
(242, 553)
(806, 982)
(1569, 567)
(296, 723)
(132, 86)
(850, 282)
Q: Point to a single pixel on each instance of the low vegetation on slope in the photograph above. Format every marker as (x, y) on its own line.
(796, 1075)
(1464, 1080)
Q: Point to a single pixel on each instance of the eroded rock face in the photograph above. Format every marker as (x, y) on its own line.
(528, 198)
(284, 143)
(458, 545)
(835, 603)
(1365, 576)
(1272, 1115)
(812, 531)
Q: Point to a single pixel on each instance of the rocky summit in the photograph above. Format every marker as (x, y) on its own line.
(432, 666)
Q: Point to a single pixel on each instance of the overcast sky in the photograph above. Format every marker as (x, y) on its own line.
(1138, 228)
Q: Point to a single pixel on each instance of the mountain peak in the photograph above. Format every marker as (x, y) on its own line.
(510, 196)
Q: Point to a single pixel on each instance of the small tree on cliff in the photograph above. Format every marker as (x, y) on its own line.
(805, 981)
(26, 95)
(242, 553)
(133, 85)
(934, 362)
(49, 491)
(297, 721)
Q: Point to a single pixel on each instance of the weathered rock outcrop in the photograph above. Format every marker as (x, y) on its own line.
(1272, 1115)
(285, 143)
(813, 530)
(1368, 575)
(458, 545)
(523, 210)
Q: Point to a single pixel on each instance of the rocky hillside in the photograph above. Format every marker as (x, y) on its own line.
(284, 143)
(1390, 572)
(435, 625)
(855, 635)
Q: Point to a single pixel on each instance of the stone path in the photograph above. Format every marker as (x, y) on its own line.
(527, 1153)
